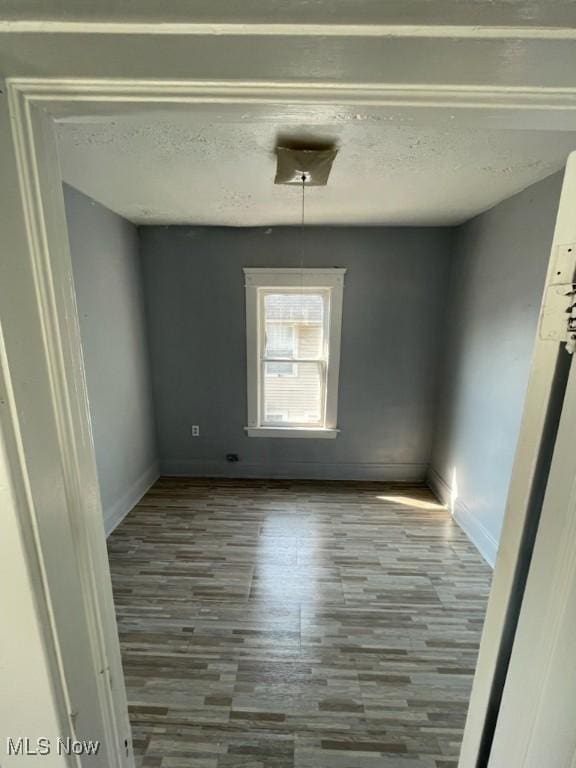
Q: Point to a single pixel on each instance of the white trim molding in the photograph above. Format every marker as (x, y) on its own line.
(288, 29)
(439, 487)
(297, 470)
(58, 456)
(480, 536)
(330, 281)
(53, 509)
(74, 97)
(291, 432)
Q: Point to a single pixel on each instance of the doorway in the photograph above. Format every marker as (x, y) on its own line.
(94, 604)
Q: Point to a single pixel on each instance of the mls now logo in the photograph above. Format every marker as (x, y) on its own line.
(25, 746)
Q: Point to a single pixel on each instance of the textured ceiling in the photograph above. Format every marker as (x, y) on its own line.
(215, 166)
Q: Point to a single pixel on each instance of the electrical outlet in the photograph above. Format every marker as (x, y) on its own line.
(195, 430)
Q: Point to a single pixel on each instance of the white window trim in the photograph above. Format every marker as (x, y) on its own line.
(331, 279)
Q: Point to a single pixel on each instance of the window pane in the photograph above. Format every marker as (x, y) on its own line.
(298, 397)
(280, 340)
(294, 325)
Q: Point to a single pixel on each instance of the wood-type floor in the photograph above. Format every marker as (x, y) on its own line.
(283, 624)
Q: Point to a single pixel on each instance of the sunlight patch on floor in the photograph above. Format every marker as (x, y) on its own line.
(410, 502)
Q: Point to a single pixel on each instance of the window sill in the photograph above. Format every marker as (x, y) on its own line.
(313, 432)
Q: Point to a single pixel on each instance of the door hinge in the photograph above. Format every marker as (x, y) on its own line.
(558, 318)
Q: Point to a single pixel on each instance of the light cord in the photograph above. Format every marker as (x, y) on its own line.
(302, 221)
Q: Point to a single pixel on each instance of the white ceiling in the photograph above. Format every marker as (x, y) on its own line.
(215, 165)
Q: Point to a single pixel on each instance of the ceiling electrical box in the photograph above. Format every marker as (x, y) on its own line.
(304, 166)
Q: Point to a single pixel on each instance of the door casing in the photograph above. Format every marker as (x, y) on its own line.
(53, 501)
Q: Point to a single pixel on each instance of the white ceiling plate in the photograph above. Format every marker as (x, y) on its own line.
(216, 165)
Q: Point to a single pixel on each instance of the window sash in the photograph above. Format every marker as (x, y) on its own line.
(321, 360)
(264, 422)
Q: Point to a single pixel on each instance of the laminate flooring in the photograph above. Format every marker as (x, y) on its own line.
(296, 624)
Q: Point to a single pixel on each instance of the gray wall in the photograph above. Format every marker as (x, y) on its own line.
(394, 299)
(499, 265)
(108, 283)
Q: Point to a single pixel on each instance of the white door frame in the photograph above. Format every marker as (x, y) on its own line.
(540, 420)
(50, 487)
(536, 725)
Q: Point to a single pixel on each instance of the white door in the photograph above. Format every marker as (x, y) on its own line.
(519, 710)
(536, 726)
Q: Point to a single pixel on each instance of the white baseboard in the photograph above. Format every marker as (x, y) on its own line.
(305, 470)
(114, 514)
(439, 487)
(482, 539)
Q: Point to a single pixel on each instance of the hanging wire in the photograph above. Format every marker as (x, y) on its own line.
(302, 220)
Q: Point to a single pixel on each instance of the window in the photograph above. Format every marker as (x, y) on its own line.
(293, 319)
